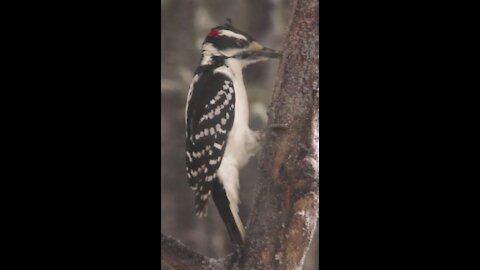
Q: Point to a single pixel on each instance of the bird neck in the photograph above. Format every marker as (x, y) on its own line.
(236, 67)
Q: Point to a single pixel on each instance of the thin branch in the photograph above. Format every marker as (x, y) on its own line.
(180, 257)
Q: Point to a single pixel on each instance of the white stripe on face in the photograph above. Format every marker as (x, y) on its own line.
(208, 47)
(229, 33)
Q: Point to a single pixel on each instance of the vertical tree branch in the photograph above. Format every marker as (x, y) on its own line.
(286, 210)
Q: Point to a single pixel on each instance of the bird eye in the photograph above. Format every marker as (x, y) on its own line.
(240, 43)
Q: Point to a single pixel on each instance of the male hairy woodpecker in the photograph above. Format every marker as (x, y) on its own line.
(218, 139)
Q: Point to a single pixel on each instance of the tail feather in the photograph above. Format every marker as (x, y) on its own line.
(229, 214)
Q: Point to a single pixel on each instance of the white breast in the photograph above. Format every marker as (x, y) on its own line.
(241, 136)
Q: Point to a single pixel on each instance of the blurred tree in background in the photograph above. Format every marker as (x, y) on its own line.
(184, 26)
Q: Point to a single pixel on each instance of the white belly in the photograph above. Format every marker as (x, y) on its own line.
(242, 142)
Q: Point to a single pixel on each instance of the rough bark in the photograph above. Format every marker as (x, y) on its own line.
(285, 210)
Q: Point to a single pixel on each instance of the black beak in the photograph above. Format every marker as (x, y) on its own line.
(267, 52)
(258, 53)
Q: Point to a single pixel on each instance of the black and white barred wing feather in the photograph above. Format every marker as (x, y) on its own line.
(209, 118)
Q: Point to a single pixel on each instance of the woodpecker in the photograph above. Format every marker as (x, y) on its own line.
(218, 139)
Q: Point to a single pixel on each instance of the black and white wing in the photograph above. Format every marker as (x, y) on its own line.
(209, 118)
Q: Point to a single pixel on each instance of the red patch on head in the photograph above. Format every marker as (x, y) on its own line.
(214, 33)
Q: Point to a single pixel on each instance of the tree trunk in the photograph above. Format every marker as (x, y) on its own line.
(285, 211)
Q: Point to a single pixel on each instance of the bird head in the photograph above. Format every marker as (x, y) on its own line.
(228, 42)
